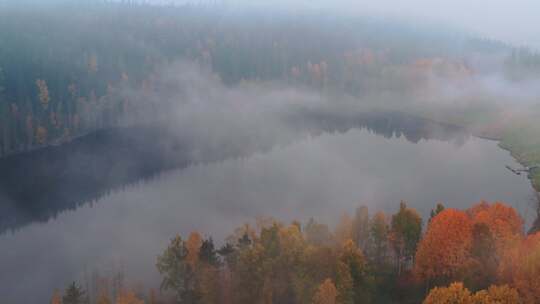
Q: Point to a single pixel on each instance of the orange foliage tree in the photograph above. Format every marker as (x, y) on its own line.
(468, 245)
(444, 252)
(504, 222)
(520, 267)
(193, 246)
(497, 295)
(128, 297)
(56, 297)
(497, 228)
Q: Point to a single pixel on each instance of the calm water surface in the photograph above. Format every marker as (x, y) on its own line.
(320, 175)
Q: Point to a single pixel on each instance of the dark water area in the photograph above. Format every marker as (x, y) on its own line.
(111, 200)
(36, 186)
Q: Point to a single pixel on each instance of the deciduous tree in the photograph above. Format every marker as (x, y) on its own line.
(379, 231)
(128, 297)
(503, 221)
(56, 297)
(520, 268)
(445, 251)
(361, 227)
(326, 293)
(497, 295)
(456, 293)
(405, 233)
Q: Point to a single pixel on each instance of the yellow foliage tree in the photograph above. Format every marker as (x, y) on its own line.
(326, 293)
(128, 297)
(41, 135)
(497, 295)
(456, 293)
(43, 89)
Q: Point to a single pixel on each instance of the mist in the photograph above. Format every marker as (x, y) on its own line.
(125, 123)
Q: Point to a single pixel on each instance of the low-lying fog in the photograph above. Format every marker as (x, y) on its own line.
(318, 176)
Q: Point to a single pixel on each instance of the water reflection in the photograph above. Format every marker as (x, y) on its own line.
(321, 175)
(36, 186)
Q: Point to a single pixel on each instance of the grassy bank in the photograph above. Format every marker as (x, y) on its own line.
(517, 131)
(522, 139)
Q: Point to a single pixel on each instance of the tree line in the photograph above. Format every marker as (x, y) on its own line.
(474, 256)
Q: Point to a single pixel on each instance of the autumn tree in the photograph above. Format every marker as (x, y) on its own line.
(326, 293)
(249, 276)
(56, 297)
(128, 297)
(483, 269)
(354, 262)
(193, 246)
(503, 221)
(103, 298)
(344, 284)
(405, 233)
(520, 268)
(456, 293)
(317, 263)
(379, 233)
(445, 251)
(43, 91)
(497, 295)
(208, 272)
(41, 135)
(360, 227)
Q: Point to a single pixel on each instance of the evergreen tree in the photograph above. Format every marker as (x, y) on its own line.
(74, 294)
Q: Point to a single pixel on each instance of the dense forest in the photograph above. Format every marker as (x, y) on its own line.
(99, 78)
(58, 81)
(478, 256)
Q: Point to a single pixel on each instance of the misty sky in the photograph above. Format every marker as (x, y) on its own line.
(517, 22)
(514, 21)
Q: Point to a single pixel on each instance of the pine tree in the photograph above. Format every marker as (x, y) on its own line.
(74, 294)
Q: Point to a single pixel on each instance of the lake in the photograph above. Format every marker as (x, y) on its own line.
(109, 202)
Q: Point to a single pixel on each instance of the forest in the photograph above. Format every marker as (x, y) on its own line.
(477, 256)
(58, 82)
(99, 96)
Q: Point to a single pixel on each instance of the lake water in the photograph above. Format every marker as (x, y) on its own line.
(320, 174)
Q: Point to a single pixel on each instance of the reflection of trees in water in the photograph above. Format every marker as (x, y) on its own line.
(387, 124)
(38, 185)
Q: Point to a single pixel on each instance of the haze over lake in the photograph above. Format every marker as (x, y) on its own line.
(318, 176)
